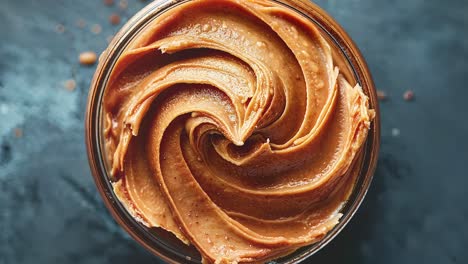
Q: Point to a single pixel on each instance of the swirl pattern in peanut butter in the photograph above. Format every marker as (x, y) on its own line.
(229, 124)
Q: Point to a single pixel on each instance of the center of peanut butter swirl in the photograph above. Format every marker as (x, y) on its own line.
(229, 125)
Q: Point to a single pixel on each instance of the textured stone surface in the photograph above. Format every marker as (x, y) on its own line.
(50, 211)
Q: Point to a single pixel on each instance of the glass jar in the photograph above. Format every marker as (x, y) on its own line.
(164, 244)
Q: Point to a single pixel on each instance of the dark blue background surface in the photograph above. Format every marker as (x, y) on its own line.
(416, 211)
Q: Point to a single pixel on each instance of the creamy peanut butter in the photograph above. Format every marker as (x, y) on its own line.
(229, 124)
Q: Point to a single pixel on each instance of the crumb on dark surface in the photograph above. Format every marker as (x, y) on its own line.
(381, 95)
(114, 19)
(88, 58)
(123, 4)
(70, 85)
(108, 2)
(18, 132)
(96, 29)
(408, 95)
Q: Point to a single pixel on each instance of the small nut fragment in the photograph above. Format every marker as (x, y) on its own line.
(123, 4)
(88, 58)
(108, 2)
(408, 95)
(70, 85)
(114, 19)
(381, 95)
(18, 132)
(96, 29)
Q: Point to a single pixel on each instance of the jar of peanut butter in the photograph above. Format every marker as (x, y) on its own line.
(229, 131)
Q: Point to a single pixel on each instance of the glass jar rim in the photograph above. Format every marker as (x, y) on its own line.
(95, 148)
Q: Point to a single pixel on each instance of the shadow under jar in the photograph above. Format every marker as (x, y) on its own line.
(142, 75)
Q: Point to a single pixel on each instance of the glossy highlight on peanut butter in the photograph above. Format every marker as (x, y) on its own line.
(237, 133)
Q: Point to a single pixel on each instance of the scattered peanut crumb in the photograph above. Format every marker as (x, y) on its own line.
(70, 85)
(108, 2)
(59, 28)
(96, 29)
(88, 58)
(18, 132)
(123, 4)
(408, 95)
(114, 19)
(381, 95)
(81, 23)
